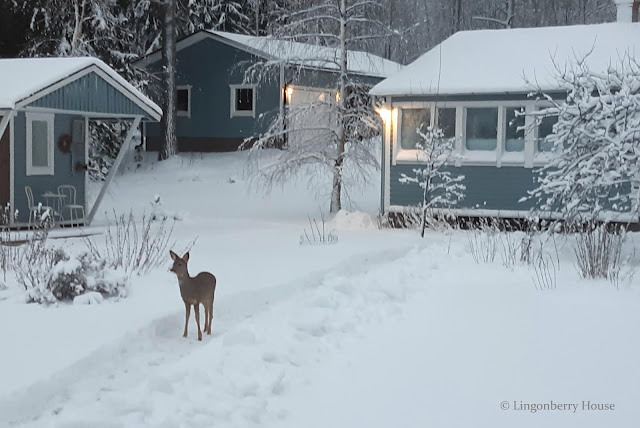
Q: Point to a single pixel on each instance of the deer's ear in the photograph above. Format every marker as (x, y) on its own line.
(174, 256)
(186, 257)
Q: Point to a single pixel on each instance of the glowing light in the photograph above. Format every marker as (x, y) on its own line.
(338, 97)
(384, 113)
(289, 91)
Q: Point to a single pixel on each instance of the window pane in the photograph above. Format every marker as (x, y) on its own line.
(183, 100)
(447, 122)
(482, 128)
(244, 99)
(39, 143)
(514, 138)
(412, 119)
(545, 128)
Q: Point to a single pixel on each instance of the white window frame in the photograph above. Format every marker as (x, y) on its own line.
(49, 119)
(242, 113)
(498, 157)
(183, 113)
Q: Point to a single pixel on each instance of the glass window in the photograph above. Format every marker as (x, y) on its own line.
(182, 101)
(244, 99)
(514, 136)
(40, 143)
(447, 122)
(412, 120)
(482, 128)
(545, 128)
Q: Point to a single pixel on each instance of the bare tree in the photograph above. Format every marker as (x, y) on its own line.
(509, 13)
(340, 136)
(169, 117)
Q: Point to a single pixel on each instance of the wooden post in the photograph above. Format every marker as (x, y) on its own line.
(114, 168)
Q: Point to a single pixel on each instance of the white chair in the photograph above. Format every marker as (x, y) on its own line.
(70, 197)
(35, 210)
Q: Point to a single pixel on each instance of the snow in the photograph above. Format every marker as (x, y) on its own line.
(313, 55)
(380, 329)
(497, 61)
(22, 77)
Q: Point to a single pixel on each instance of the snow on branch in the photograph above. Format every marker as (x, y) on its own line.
(594, 164)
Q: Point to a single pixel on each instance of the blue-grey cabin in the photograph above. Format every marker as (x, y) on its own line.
(45, 108)
(471, 86)
(218, 110)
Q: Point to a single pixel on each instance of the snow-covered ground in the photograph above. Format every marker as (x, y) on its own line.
(381, 329)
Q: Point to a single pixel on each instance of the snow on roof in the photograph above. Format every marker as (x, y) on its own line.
(312, 55)
(22, 77)
(497, 61)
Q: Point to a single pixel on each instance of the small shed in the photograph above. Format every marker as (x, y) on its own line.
(45, 108)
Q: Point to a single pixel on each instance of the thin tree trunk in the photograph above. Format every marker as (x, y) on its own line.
(169, 118)
(336, 203)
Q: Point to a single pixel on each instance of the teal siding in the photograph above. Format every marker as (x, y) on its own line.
(63, 165)
(488, 187)
(210, 67)
(322, 79)
(91, 94)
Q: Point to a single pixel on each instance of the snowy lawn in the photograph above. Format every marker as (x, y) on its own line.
(381, 329)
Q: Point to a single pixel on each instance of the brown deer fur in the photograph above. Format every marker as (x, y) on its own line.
(196, 290)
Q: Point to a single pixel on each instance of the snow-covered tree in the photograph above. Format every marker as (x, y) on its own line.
(595, 162)
(338, 141)
(440, 188)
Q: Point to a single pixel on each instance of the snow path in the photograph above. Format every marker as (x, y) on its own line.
(150, 363)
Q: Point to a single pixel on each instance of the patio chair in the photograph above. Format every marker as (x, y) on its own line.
(35, 210)
(74, 208)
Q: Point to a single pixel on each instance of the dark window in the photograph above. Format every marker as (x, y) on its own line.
(244, 99)
(182, 101)
(514, 138)
(482, 128)
(447, 122)
(545, 129)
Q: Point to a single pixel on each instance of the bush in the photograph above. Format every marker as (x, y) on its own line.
(598, 251)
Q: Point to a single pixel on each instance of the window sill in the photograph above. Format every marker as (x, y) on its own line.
(243, 114)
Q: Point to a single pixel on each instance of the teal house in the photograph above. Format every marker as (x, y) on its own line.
(218, 107)
(45, 108)
(471, 86)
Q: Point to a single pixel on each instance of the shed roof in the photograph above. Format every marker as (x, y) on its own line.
(23, 79)
(497, 61)
(303, 54)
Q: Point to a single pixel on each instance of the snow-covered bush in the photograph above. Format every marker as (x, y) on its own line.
(440, 189)
(158, 212)
(131, 246)
(594, 166)
(48, 274)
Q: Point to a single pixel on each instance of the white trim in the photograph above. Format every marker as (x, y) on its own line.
(153, 112)
(529, 137)
(546, 215)
(12, 167)
(183, 113)
(500, 135)
(86, 162)
(242, 113)
(38, 170)
(390, 132)
(89, 114)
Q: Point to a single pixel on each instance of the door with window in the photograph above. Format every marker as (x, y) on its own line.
(5, 166)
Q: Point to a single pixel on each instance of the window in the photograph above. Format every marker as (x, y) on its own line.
(447, 122)
(243, 100)
(545, 128)
(39, 144)
(412, 120)
(482, 129)
(514, 135)
(183, 101)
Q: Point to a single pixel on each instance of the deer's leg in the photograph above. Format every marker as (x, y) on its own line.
(187, 309)
(197, 308)
(210, 315)
(206, 317)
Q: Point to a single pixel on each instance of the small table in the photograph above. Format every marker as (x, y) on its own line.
(58, 199)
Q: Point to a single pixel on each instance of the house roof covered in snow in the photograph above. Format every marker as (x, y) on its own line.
(303, 54)
(22, 79)
(498, 61)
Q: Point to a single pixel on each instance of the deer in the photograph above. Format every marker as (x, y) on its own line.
(196, 290)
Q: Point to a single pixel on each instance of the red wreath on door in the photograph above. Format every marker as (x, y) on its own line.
(64, 143)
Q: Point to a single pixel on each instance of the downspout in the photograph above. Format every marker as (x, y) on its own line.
(6, 119)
